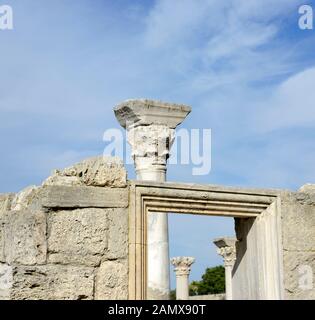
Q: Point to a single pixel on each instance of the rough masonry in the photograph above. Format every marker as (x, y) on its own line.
(67, 239)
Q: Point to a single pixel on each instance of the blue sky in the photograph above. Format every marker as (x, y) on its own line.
(245, 67)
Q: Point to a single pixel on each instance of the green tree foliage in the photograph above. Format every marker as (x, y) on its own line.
(173, 295)
(213, 281)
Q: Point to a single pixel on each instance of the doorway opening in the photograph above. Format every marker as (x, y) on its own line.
(193, 236)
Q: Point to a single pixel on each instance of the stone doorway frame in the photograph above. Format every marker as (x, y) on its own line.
(258, 205)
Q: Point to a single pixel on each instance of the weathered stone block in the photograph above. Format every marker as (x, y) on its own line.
(2, 224)
(52, 282)
(83, 197)
(299, 273)
(304, 198)
(78, 236)
(112, 281)
(308, 188)
(5, 201)
(6, 281)
(118, 234)
(97, 171)
(144, 112)
(24, 198)
(298, 223)
(24, 237)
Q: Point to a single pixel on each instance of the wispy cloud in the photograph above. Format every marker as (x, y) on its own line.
(221, 43)
(290, 105)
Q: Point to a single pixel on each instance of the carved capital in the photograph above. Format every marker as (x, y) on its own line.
(226, 249)
(150, 145)
(228, 254)
(150, 129)
(182, 265)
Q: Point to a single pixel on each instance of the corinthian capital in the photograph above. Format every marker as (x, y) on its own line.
(151, 144)
(182, 265)
(226, 249)
(151, 130)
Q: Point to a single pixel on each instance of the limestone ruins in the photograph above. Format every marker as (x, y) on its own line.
(89, 233)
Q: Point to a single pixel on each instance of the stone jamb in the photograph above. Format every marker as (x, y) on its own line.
(146, 197)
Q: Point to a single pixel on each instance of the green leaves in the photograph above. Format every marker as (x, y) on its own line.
(213, 281)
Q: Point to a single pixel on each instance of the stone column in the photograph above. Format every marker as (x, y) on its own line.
(182, 270)
(226, 249)
(150, 129)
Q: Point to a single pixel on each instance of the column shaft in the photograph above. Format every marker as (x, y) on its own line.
(228, 283)
(182, 287)
(226, 249)
(182, 269)
(158, 246)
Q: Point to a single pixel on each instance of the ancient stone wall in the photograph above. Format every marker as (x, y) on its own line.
(67, 239)
(298, 229)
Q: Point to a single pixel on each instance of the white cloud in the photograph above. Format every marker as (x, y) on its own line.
(172, 22)
(291, 105)
(213, 44)
(264, 137)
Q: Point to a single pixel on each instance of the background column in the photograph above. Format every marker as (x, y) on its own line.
(182, 270)
(226, 249)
